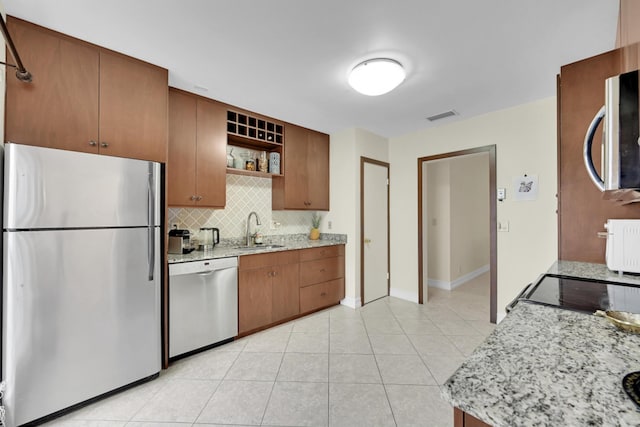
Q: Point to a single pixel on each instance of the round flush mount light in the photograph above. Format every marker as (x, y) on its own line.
(377, 76)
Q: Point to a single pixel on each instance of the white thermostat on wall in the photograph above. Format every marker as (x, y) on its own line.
(502, 194)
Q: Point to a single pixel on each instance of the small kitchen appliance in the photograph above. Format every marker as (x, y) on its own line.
(209, 237)
(623, 245)
(179, 242)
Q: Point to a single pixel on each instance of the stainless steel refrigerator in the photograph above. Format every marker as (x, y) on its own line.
(81, 278)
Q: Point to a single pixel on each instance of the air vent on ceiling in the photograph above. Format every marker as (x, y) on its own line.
(442, 115)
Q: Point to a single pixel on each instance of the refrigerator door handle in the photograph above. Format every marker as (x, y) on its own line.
(150, 227)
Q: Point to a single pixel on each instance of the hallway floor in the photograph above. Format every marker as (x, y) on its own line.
(378, 365)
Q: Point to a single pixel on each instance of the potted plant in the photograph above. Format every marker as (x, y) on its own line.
(315, 230)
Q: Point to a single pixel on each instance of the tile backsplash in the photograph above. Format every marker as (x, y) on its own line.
(244, 194)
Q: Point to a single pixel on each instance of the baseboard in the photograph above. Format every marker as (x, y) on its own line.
(402, 294)
(351, 302)
(449, 286)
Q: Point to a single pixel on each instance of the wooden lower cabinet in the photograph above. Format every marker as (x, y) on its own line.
(462, 419)
(321, 295)
(267, 289)
(283, 285)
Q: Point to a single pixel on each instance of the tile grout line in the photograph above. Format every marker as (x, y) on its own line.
(273, 386)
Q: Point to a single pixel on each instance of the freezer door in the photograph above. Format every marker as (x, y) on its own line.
(49, 188)
(81, 317)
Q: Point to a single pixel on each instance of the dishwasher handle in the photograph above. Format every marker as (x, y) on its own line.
(206, 273)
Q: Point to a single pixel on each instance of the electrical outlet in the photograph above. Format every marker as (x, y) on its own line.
(329, 224)
(273, 225)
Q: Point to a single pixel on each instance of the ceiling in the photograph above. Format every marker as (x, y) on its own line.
(289, 59)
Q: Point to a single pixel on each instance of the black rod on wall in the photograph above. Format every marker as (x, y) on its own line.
(21, 73)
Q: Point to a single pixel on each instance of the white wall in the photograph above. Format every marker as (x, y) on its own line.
(346, 149)
(525, 139)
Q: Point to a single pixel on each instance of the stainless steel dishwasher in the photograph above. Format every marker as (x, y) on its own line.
(203, 304)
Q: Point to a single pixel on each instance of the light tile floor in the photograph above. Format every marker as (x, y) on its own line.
(380, 365)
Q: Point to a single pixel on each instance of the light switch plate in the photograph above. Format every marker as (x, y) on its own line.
(503, 226)
(502, 194)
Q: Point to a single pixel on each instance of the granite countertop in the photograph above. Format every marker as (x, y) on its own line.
(223, 251)
(546, 366)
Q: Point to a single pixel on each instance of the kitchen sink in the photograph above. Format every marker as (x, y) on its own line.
(257, 247)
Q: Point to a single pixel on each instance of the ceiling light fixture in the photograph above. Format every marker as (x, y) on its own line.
(377, 76)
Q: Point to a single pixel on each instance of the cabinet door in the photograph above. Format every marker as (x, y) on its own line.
(296, 178)
(59, 109)
(254, 298)
(286, 292)
(318, 171)
(133, 108)
(181, 178)
(211, 155)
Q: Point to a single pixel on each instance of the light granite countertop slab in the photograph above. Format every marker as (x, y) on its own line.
(544, 366)
(224, 251)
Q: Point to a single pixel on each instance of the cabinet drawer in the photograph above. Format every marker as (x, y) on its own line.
(321, 295)
(323, 252)
(247, 262)
(321, 270)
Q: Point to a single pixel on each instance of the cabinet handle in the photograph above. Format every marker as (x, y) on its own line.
(198, 197)
(194, 197)
(104, 144)
(274, 273)
(93, 143)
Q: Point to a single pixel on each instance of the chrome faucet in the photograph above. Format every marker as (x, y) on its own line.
(248, 226)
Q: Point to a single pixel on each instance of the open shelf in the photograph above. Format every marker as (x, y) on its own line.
(254, 129)
(234, 171)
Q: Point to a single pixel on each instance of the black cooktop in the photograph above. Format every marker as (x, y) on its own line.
(585, 295)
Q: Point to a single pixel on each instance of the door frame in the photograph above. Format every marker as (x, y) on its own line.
(493, 229)
(364, 160)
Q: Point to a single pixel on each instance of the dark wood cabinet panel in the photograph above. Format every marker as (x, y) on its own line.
(321, 270)
(254, 299)
(322, 252)
(133, 108)
(321, 295)
(305, 184)
(270, 285)
(286, 292)
(181, 180)
(59, 109)
(197, 147)
(318, 169)
(211, 158)
(462, 419)
(582, 211)
(85, 98)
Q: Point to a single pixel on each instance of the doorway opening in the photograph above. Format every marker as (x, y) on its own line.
(425, 220)
(374, 230)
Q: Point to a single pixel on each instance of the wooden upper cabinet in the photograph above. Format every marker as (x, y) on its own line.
(84, 97)
(196, 169)
(181, 177)
(582, 211)
(211, 154)
(133, 108)
(59, 109)
(305, 184)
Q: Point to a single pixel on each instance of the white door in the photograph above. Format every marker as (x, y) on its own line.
(376, 231)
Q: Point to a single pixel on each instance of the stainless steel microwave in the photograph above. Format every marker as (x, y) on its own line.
(620, 168)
